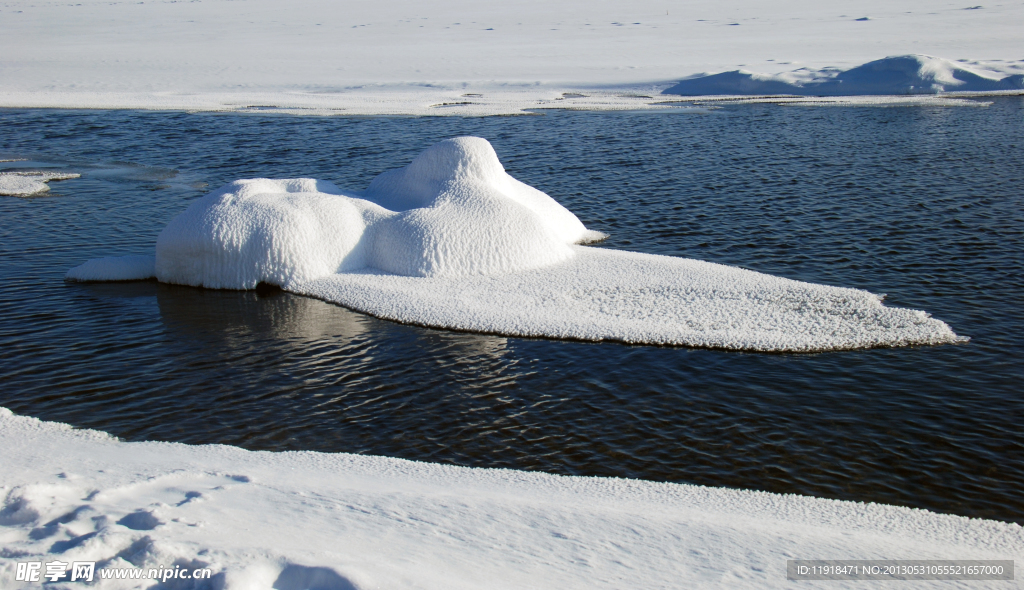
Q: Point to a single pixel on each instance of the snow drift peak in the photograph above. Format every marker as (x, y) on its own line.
(917, 67)
(462, 214)
(458, 158)
(466, 171)
(436, 173)
(908, 74)
(462, 160)
(453, 211)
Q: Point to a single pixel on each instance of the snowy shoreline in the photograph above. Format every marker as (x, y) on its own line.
(432, 102)
(376, 522)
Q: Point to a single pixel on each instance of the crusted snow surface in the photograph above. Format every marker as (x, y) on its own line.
(452, 241)
(640, 299)
(26, 184)
(263, 520)
(894, 75)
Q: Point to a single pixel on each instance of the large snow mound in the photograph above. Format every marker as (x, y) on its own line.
(452, 241)
(894, 75)
(264, 520)
(452, 212)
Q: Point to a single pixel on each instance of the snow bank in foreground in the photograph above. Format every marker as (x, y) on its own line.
(266, 520)
(902, 74)
(452, 241)
(26, 184)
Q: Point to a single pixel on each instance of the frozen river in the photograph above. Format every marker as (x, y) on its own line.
(920, 203)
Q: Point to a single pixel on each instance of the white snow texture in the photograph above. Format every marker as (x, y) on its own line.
(452, 212)
(452, 241)
(305, 520)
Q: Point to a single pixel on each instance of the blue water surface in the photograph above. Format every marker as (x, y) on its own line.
(921, 203)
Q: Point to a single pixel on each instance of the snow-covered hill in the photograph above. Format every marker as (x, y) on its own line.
(896, 75)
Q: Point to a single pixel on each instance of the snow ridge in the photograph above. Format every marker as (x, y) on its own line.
(894, 75)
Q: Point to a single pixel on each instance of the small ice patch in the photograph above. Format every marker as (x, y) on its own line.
(25, 184)
(452, 241)
(114, 268)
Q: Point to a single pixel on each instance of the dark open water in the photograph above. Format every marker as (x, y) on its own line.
(922, 203)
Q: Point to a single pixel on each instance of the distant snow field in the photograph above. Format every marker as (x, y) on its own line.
(470, 58)
(452, 241)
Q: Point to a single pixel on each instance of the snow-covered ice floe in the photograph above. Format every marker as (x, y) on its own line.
(262, 520)
(26, 184)
(451, 241)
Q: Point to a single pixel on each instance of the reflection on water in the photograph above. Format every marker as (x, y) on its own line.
(231, 318)
(251, 361)
(921, 203)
